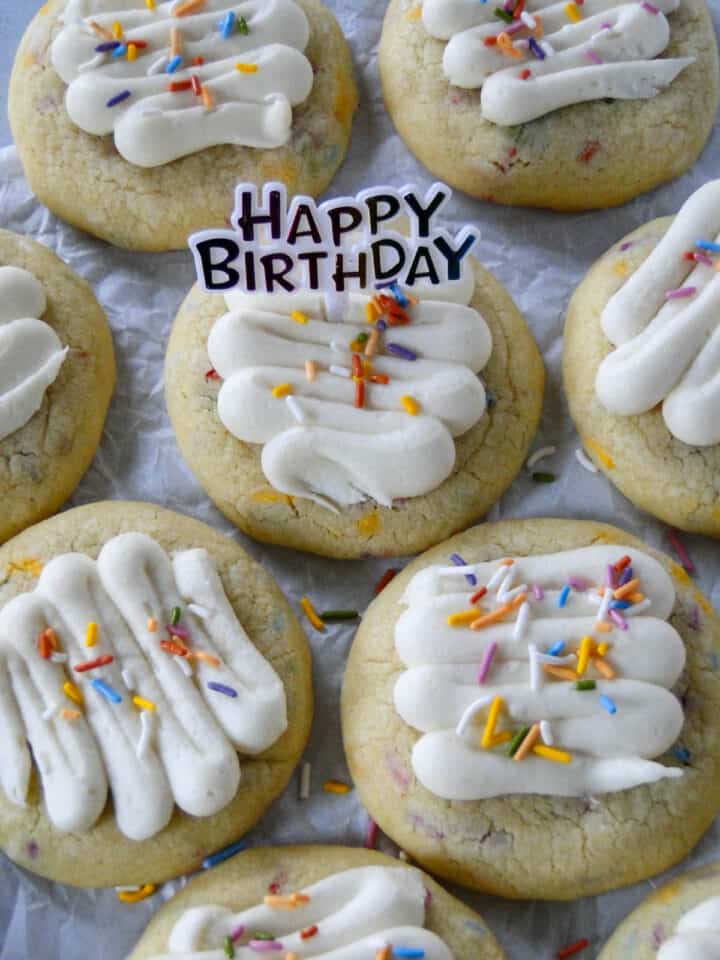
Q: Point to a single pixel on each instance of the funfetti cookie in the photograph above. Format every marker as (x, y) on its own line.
(572, 106)
(57, 373)
(527, 710)
(155, 695)
(641, 364)
(314, 902)
(679, 921)
(171, 104)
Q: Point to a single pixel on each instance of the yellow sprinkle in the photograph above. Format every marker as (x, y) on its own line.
(117, 30)
(247, 67)
(132, 52)
(492, 719)
(335, 786)
(604, 458)
(311, 370)
(550, 753)
(369, 524)
(91, 634)
(680, 574)
(152, 625)
(150, 4)
(620, 267)
(371, 311)
(463, 619)
(282, 390)
(584, 655)
(72, 693)
(603, 648)
(573, 13)
(298, 317)
(135, 896)
(311, 614)
(410, 405)
(70, 714)
(702, 603)
(501, 738)
(33, 567)
(272, 496)
(143, 704)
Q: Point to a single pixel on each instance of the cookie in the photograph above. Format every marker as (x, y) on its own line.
(319, 432)
(163, 685)
(529, 699)
(184, 103)
(57, 373)
(316, 901)
(680, 921)
(481, 105)
(648, 410)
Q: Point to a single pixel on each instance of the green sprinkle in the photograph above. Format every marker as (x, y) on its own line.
(585, 685)
(503, 15)
(517, 740)
(228, 947)
(175, 616)
(544, 478)
(337, 616)
(242, 26)
(362, 338)
(262, 935)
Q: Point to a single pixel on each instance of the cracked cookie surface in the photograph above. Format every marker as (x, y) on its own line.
(533, 846)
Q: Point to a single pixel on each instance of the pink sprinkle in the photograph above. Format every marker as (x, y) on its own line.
(591, 55)
(680, 550)
(539, 592)
(371, 835)
(265, 946)
(649, 7)
(608, 26)
(618, 620)
(612, 576)
(703, 258)
(181, 632)
(624, 246)
(486, 661)
(237, 933)
(680, 292)
(577, 583)
(514, 28)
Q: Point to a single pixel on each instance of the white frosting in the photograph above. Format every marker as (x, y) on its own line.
(154, 126)
(356, 913)
(30, 351)
(185, 751)
(439, 694)
(697, 936)
(609, 53)
(337, 454)
(669, 351)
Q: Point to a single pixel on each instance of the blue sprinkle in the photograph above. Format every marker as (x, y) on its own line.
(408, 952)
(106, 691)
(620, 605)
(381, 325)
(120, 50)
(708, 245)
(108, 46)
(227, 25)
(607, 704)
(174, 64)
(682, 754)
(399, 295)
(459, 562)
(114, 101)
(564, 594)
(536, 48)
(222, 855)
(556, 649)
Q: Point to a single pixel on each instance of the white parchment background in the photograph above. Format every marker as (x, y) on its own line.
(540, 257)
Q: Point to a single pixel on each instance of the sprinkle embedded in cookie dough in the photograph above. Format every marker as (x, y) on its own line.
(384, 580)
(682, 554)
(105, 690)
(214, 859)
(137, 895)
(338, 616)
(336, 787)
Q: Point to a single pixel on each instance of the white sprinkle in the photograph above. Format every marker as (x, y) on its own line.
(547, 48)
(338, 347)
(540, 455)
(127, 889)
(182, 662)
(637, 608)
(59, 657)
(511, 594)
(128, 680)
(201, 612)
(451, 571)
(158, 66)
(506, 584)
(341, 372)
(467, 717)
(530, 22)
(495, 578)
(585, 461)
(295, 408)
(51, 711)
(546, 733)
(536, 677)
(605, 604)
(556, 661)
(521, 623)
(305, 775)
(146, 733)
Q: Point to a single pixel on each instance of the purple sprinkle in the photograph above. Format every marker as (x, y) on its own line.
(114, 101)
(591, 55)
(618, 620)
(265, 946)
(539, 592)
(649, 7)
(703, 258)
(381, 325)
(626, 576)
(397, 351)
(459, 562)
(486, 661)
(181, 632)
(236, 934)
(108, 46)
(625, 246)
(577, 583)
(612, 576)
(536, 48)
(221, 688)
(680, 293)
(608, 26)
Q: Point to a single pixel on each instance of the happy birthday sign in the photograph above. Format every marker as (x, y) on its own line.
(340, 245)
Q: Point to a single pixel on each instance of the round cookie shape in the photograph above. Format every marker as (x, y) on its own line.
(102, 855)
(248, 878)
(488, 455)
(532, 845)
(585, 156)
(643, 934)
(43, 460)
(88, 182)
(659, 473)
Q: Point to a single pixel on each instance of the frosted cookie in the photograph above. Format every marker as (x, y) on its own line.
(313, 428)
(155, 695)
(641, 364)
(572, 106)
(680, 921)
(312, 902)
(57, 373)
(528, 699)
(174, 103)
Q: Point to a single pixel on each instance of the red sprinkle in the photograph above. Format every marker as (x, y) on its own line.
(212, 374)
(680, 550)
(357, 370)
(177, 85)
(688, 255)
(175, 648)
(93, 664)
(274, 889)
(525, 74)
(379, 378)
(360, 394)
(573, 949)
(479, 595)
(44, 646)
(622, 563)
(196, 85)
(490, 41)
(371, 835)
(588, 151)
(308, 932)
(140, 44)
(198, 61)
(385, 580)
(519, 7)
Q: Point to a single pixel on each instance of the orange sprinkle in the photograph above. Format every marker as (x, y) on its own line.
(177, 649)
(43, 644)
(206, 658)
(594, 447)
(636, 597)
(70, 714)
(624, 591)
(282, 390)
(311, 370)
(562, 673)
(360, 394)
(207, 97)
(190, 6)
(372, 344)
(602, 627)
(603, 668)
(107, 34)
(152, 625)
(505, 45)
(176, 42)
(499, 613)
(528, 743)
(336, 786)
(507, 562)
(384, 953)
(309, 610)
(135, 896)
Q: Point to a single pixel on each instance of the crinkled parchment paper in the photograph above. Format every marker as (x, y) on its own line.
(540, 257)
